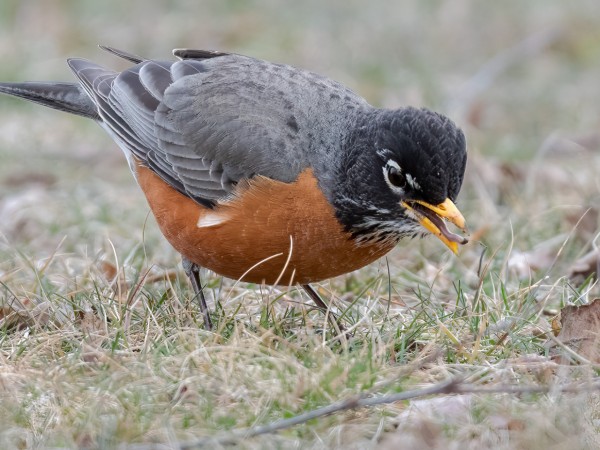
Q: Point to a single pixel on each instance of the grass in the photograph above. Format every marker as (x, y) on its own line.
(88, 362)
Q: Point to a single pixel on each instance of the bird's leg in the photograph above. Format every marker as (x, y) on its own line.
(317, 300)
(193, 272)
(323, 307)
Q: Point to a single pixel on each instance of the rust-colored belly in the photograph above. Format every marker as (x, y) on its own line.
(272, 232)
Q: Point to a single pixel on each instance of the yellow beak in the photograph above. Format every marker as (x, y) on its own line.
(433, 218)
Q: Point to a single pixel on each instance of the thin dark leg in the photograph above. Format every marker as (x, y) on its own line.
(193, 272)
(322, 306)
(315, 297)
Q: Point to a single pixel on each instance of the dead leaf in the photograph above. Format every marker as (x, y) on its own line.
(117, 280)
(21, 179)
(501, 421)
(584, 267)
(580, 332)
(541, 367)
(421, 424)
(20, 314)
(584, 221)
(512, 173)
(108, 270)
(555, 324)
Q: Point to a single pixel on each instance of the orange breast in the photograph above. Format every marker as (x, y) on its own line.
(272, 232)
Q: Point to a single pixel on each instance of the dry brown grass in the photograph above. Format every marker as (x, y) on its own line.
(90, 363)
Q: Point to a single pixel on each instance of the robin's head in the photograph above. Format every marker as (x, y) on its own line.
(402, 177)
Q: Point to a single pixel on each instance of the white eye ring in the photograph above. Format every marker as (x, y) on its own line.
(396, 185)
(394, 164)
(399, 185)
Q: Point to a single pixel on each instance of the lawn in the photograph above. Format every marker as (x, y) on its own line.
(102, 345)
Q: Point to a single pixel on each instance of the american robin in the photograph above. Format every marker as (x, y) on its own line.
(265, 172)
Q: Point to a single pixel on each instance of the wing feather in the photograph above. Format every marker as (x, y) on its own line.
(210, 120)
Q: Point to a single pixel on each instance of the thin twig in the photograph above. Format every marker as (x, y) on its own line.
(451, 386)
(351, 403)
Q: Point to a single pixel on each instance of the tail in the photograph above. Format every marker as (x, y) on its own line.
(68, 97)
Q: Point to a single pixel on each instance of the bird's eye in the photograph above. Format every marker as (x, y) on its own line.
(396, 177)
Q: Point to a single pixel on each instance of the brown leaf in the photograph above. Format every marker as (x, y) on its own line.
(21, 314)
(555, 323)
(580, 332)
(25, 178)
(502, 421)
(585, 221)
(117, 280)
(421, 424)
(585, 267)
(108, 270)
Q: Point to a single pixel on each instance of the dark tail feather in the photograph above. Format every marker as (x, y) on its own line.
(68, 97)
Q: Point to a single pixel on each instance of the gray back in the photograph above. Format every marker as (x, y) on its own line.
(203, 125)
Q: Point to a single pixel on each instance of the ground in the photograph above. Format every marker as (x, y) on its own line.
(102, 345)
